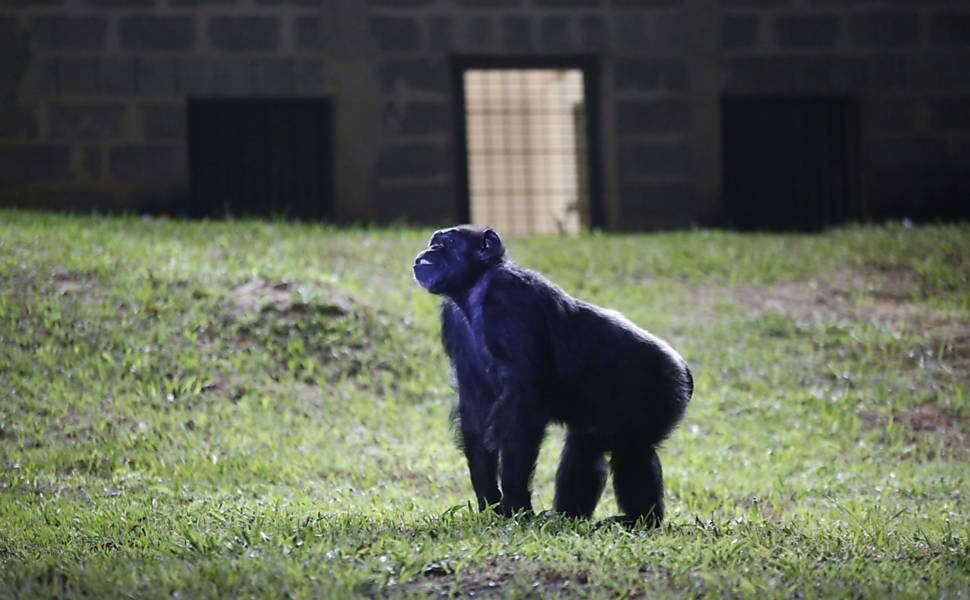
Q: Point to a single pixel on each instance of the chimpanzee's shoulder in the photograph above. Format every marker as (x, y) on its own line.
(516, 288)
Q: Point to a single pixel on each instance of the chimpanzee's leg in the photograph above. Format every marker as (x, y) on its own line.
(519, 451)
(638, 483)
(581, 475)
(470, 417)
(483, 467)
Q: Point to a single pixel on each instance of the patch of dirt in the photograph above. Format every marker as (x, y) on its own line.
(956, 350)
(64, 282)
(927, 421)
(937, 421)
(883, 298)
(495, 577)
(283, 297)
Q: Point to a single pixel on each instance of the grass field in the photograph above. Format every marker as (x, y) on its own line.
(260, 409)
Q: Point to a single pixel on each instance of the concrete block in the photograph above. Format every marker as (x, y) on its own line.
(939, 72)
(795, 73)
(739, 31)
(806, 30)
(592, 33)
(419, 73)
(14, 59)
(18, 122)
(402, 3)
(32, 3)
(629, 32)
(517, 34)
(305, 3)
(21, 77)
(670, 33)
(311, 77)
(477, 33)
(442, 34)
(886, 72)
(91, 164)
(884, 29)
(195, 75)
(567, 3)
(12, 35)
(651, 206)
(950, 114)
(487, 3)
(78, 75)
(117, 76)
(396, 34)
(555, 34)
(121, 3)
(414, 160)
(233, 75)
(164, 121)
(648, 74)
(639, 159)
(57, 32)
(156, 33)
(312, 34)
(244, 33)
(34, 164)
(429, 203)
(658, 116)
(756, 3)
(143, 164)
(275, 76)
(950, 29)
(159, 76)
(70, 122)
(418, 118)
(647, 3)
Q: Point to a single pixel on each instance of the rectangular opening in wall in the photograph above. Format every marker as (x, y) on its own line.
(527, 148)
(791, 162)
(268, 157)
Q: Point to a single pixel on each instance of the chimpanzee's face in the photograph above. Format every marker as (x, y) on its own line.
(455, 258)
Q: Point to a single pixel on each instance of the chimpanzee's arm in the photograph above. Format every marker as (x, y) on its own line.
(475, 400)
(517, 421)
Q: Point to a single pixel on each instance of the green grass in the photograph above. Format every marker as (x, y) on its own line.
(246, 408)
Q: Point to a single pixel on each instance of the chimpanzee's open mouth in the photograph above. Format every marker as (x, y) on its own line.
(423, 261)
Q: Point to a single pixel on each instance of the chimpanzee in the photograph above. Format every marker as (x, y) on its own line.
(525, 353)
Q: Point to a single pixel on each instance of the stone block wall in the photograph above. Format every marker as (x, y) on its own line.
(93, 92)
(644, 86)
(907, 62)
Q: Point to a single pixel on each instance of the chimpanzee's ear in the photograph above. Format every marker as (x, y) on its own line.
(491, 244)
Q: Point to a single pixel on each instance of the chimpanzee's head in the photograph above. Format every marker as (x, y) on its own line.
(456, 258)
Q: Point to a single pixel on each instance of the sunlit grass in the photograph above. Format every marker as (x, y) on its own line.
(165, 427)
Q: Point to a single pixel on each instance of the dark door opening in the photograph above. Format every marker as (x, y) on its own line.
(261, 157)
(791, 162)
(528, 140)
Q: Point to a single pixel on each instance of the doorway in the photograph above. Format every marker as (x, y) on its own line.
(526, 134)
(791, 162)
(267, 157)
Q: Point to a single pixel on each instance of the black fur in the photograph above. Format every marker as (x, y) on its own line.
(525, 354)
